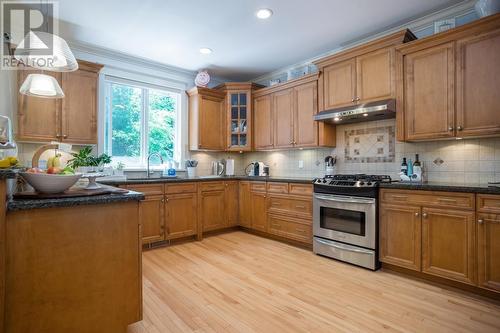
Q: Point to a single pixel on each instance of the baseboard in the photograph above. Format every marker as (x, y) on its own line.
(441, 282)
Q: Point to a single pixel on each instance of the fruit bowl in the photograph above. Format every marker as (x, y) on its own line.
(50, 183)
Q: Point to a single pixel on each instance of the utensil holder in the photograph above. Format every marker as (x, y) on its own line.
(191, 172)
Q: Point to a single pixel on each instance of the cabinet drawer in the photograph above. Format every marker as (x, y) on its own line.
(212, 186)
(281, 188)
(429, 198)
(258, 186)
(488, 203)
(147, 189)
(300, 189)
(290, 206)
(290, 228)
(180, 188)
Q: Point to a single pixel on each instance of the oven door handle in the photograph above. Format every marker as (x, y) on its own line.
(344, 199)
(342, 247)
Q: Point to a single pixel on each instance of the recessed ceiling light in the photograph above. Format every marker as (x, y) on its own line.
(264, 13)
(205, 50)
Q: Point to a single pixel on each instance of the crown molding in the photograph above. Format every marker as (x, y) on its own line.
(415, 25)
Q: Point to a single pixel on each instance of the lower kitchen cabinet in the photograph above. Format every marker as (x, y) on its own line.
(231, 203)
(291, 228)
(259, 211)
(181, 215)
(488, 251)
(151, 216)
(211, 209)
(245, 204)
(400, 235)
(448, 244)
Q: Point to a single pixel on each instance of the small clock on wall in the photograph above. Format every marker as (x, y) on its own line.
(202, 78)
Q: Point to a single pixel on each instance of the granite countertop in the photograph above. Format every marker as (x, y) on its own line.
(25, 204)
(116, 182)
(443, 186)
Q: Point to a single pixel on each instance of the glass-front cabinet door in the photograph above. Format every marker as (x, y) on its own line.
(239, 114)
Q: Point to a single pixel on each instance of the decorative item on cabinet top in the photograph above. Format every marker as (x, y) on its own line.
(202, 78)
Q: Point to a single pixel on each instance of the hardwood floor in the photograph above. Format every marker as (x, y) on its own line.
(237, 282)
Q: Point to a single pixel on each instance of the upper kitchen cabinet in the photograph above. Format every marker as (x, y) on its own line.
(448, 83)
(284, 116)
(206, 119)
(238, 106)
(71, 119)
(360, 75)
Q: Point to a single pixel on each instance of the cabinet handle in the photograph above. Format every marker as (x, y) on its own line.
(353, 100)
(424, 215)
(65, 136)
(357, 98)
(162, 200)
(480, 221)
(459, 128)
(417, 214)
(450, 128)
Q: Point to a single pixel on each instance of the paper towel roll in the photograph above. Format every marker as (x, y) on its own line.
(229, 167)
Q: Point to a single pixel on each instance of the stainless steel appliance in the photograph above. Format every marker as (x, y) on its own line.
(345, 218)
(218, 168)
(257, 169)
(377, 110)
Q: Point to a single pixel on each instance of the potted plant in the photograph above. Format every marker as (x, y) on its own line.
(84, 162)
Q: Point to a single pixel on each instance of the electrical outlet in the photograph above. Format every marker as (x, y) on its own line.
(301, 164)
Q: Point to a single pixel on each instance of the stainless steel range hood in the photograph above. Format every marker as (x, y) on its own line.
(378, 110)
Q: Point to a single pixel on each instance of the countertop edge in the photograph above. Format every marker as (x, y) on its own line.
(185, 180)
(459, 188)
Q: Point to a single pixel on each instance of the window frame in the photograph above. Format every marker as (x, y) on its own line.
(106, 119)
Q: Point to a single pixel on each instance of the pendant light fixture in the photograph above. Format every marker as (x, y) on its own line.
(41, 85)
(61, 60)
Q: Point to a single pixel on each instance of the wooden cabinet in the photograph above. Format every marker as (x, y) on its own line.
(448, 244)
(447, 84)
(245, 204)
(263, 120)
(305, 129)
(429, 82)
(375, 78)
(339, 82)
(360, 75)
(71, 119)
(488, 251)
(284, 116)
(238, 109)
(478, 79)
(259, 211)
(207, 121)
(151, 213)
(231, 203)
(400, 236)
(283, 105)
(79, 112)
(211, 210)
(181, 215)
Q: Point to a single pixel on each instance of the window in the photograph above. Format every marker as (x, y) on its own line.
(139, 120)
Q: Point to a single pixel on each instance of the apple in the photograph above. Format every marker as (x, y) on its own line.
(53, 170)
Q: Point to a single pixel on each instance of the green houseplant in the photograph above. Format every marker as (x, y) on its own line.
(84, 161)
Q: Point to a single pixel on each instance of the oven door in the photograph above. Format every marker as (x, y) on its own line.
(345, 219)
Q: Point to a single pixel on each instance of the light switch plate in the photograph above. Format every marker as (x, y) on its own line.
(301, 164)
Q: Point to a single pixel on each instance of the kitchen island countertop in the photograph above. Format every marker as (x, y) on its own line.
(444, 186)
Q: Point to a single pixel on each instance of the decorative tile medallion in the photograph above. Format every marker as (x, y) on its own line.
(370, 145)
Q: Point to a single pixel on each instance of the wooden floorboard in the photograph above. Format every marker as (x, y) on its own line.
(237, 282)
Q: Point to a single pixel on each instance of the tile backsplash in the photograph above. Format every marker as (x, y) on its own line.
(371, 147)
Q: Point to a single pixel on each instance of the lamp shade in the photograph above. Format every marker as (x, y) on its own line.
(46, 51)
(41, 85)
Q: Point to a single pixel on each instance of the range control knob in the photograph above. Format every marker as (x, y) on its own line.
(369, 184)
(361, 183)
(324, 180)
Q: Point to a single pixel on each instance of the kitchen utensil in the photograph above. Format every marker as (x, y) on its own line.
(257, 169)
(49, 183)
(218, 168)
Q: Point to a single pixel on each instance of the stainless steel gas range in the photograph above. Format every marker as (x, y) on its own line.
(345, 218)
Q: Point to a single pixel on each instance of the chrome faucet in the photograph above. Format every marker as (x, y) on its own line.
(149, 157)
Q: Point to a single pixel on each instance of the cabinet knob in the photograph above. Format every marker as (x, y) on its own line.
(357, 98)
(417, 214)
(459, 128)
(65, 136)
(353, 100)
(450, 128)
(162, 200)
(480, 221)
(424, 215)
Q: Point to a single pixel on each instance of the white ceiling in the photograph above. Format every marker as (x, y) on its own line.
(172, 31)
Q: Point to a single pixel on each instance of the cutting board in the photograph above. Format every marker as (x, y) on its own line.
(73, 192)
